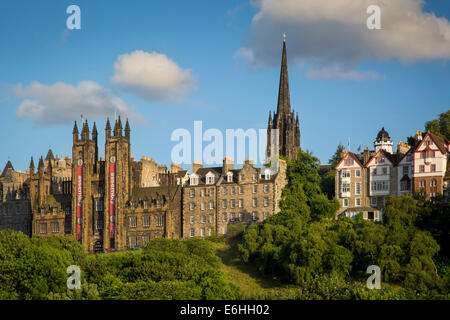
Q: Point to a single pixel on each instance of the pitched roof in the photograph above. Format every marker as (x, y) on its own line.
(49, 155)
(353, 155)
(387, 155)
(439, 141)
(8, 166)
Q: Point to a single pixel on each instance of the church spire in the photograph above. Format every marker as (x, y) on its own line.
(284, 101)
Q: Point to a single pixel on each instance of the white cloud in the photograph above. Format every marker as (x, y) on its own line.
(336, 72)
(61, 102)
(329, 33)
(152, 76)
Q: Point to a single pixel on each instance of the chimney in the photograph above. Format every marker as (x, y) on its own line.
(196, 165)
(248, 161)
(402, 148)
(366, 155)
(228, 164)
(174, 168)
(418, 136)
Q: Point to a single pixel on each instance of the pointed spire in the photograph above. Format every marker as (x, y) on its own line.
(85, 131)
(119, 127)
(41, 164)
(32, 165)
(94, 132)
(50, 155)
(115, 128)
(108, 128)
(127, 129)
(284, 101)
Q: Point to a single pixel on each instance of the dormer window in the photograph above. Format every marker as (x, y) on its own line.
(193, 180)
(210, 178)
(229, 177)
(267, 175)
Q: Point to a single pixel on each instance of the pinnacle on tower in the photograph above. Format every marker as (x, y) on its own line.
(32, 165)
(127, 129)
(41, 164)
(108, 128)
(94, 132)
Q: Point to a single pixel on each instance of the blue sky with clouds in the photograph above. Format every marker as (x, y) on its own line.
(221, 65)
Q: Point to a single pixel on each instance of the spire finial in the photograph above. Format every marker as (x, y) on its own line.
(284, 37)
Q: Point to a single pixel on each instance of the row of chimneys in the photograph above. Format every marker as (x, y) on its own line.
(228, 164)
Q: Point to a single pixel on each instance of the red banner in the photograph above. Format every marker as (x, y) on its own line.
(112, 197)
(79, 198)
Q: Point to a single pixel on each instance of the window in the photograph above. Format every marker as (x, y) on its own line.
(158, 203)
(266, 188)
(202, 232)
(358, 188)
(345, 174)
(145, 239)
(203, 192)
(405, 185)
(358, 173)
(241, 177)
(99, 205)
(241, 203)
(345, 203)
(146, 221)
(55, 211)
(224, 217)
(192, 233)
(255, 202)
(254, 177)
(241, 216)
(422, 183)
(203, 219)
(99, 224)
(209, 232)
(241, 189)
(68, 211)
(211, 218)
(229, 177)
(192, 206)
(210, 179)
(133, 222)
(405, 170)
(233, 190)
(202, 206)
(421, 168)
(267, 175)
(380, 185)
(346, 187)
(224, 190)
(55, 227)
(433, 183)
(232, 203)
(192, 219)
(232, 217)
(408, 158)
(266, 202)
(255, 188)
(385, 170)
(373, 201)
(348, 162)
(146, 204)
(133, 242)
(43, 228)
(192, 193)
(254, 216)
(266, 214)
(132, 205)
(224, 204)
(374, 171)
(193, 180)
(211, 192)
(433, 168)
(211, 204)
(358, 202)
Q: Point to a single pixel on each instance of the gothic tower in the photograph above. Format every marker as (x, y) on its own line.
(84, 168)
(284, 119)
(117, 184)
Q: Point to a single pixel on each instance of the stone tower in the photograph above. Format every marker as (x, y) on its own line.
(117, 184)
(284, 119)
(84, 174)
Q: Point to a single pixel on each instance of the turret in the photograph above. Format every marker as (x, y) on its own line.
(108, 129)
(41, 166)
(85, 131)
(31, 166)
(127, 130)
(119, 127)
(75, 132)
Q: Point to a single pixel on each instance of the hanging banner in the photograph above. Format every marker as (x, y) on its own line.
(112, 196)
(79, 198)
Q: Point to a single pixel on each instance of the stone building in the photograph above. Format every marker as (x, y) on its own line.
(284, 120)
(217, 197)
(15, 210)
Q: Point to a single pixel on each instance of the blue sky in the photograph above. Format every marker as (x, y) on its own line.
(225, 89)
